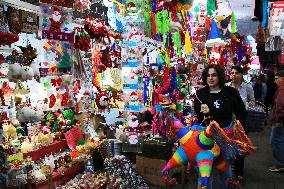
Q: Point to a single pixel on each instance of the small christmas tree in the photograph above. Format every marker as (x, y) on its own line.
(65, 64)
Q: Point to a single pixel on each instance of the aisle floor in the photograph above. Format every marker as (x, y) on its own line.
(256, 167)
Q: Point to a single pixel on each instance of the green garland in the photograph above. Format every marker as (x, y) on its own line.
(177, 42)
(163, 21)
(147, 23)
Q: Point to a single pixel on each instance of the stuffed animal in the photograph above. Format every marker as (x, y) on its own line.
(69, 116)
(102, 100)
(27, 114)
(51, 121)
(18, 72)
(14, 72)
(27, 73)
(26, 147)
(4, 68)
(9, 131)
(35, 68)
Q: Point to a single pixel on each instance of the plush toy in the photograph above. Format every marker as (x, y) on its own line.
(14, 72)
(102, 100)
(35, 68)
(9, 131)
(132, 120)
(29, 52)
(51, 121)
(69, 116)
(56, 20)
(203, 146)
(120, 133)
(27, 73)
(42, 139)
(27, 114)
(4, 68)
(26, 147)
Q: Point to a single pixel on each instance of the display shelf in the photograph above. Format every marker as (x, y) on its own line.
(60, 177)
(55, 147)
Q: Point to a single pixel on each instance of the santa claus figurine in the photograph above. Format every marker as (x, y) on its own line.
(56, 20)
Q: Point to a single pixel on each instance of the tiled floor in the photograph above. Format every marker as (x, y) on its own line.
(256, 167)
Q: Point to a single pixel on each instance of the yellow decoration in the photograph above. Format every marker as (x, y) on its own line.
(26, 147)
(15, 157)
(220, 18)
(99, 77)
(188, 44)
(205, 53)
(173, 106)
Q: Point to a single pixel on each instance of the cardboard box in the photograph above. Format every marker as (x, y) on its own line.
(150, 169)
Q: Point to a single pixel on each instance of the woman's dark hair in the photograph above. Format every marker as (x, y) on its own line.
(220, 73)
(238, 68)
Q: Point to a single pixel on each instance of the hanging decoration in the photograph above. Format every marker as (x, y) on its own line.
(82, 5)
(96, 28)
(57, 57)
(82, 40)
(56, 23)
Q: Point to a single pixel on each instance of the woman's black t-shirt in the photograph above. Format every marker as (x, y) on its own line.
(222, 106)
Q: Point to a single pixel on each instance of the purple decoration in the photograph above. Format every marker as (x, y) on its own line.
(154, 4)
(189, 17)
(174, 85)
(146, 84)
(240, 52)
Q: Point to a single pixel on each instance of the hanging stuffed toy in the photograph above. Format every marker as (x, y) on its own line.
(115, 58)
(95, 28)
(56, 20)
(98, 65)
(102, 100)
(82, 40)
(105, 58)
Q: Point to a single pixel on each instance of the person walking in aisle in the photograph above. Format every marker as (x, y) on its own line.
(271, 89)
(260, 89)
(222, 103)
(277, 121)
(247, 95)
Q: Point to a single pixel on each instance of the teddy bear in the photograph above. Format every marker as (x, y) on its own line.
(9, 131)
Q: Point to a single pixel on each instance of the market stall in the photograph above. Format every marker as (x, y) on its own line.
(88, 88)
